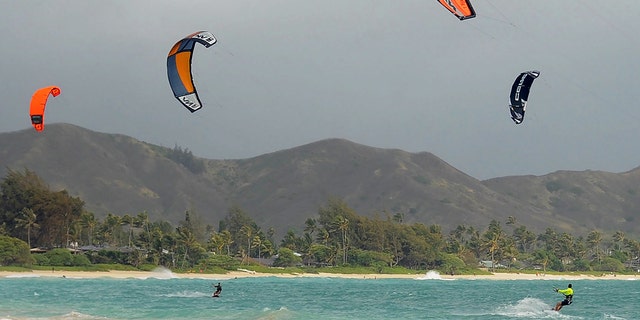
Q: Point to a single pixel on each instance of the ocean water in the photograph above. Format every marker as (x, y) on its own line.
(427, 297)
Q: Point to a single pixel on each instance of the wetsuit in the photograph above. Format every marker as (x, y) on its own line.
(218, 290)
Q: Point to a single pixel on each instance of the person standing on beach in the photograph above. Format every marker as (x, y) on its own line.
(218, 290)
(568, 297)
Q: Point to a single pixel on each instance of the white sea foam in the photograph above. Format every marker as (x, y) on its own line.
(162, 273)
(281, 313)
(23, 275)
(186, 294)
(70, 315)
(77, 315)
(432, 275)
(531, 308)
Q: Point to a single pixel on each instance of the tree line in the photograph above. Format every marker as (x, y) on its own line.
(32, 215)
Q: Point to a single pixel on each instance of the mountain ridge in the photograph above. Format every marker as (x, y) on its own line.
(114, 173)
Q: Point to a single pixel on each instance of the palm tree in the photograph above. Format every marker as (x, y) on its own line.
(75, 233)
(291, 241)
(456, 240)
(550, 239)
(111, 224)
(523, 238)
(395, 235)
(323, 236)
(257, 243)
(594, 238)
(27, 219)
(493, 245)
(342, 224)
(227, 239)
(542, 256)
(566, 248)
(89, 222)
(216, 243)
(493, 240)
(618, 239)
(143, 219)
(187, 239)
(510, 252)
(458, 233)
(248, 232)
(310, 226)
(167, 241)
(127, 220)
(634, 248)
(474, 243)
(270, 233)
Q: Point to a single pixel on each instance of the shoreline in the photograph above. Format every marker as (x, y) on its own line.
(166, 274)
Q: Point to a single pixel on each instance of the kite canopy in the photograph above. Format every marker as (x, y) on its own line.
(460, 8)
(179, 68)
(38, 104)
(520, 94)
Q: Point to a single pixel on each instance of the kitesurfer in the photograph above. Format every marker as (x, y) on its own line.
(568, 297)
(218, 290)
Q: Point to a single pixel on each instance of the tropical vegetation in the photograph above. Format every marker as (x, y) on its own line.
(34, 216)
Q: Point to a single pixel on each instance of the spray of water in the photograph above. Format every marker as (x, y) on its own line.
(162, 273)
(432, 275)
(529, 308)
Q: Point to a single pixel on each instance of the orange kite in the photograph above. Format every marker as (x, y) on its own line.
(38, 104)
(460, 8)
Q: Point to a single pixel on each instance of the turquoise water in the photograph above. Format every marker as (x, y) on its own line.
(312, 298)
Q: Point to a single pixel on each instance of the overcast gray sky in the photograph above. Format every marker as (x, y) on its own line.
(402, 74)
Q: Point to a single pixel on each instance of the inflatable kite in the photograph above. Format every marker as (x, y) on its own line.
(520, 94)
(38, 104)
(179, 68)
(460, 8)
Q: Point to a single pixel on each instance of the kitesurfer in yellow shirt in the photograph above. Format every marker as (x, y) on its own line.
(568, 297)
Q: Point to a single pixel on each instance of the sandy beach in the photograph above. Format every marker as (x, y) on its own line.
(241, 273)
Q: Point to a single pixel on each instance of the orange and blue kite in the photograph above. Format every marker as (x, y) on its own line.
(179, 68)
